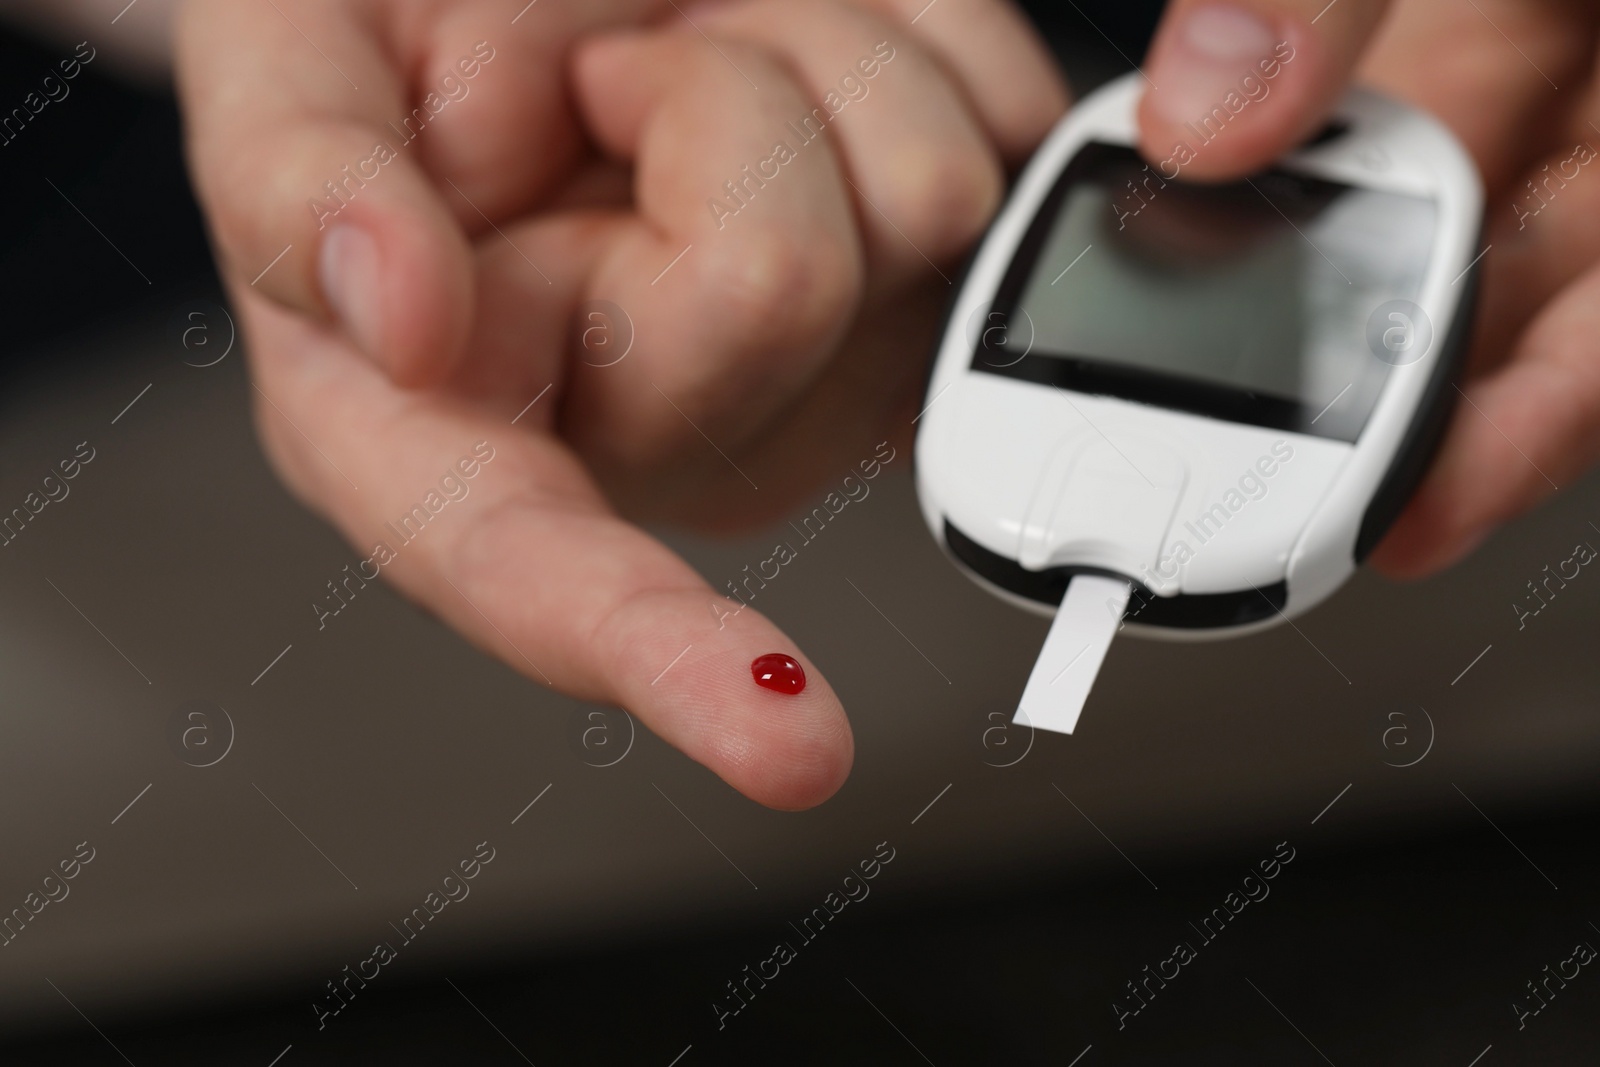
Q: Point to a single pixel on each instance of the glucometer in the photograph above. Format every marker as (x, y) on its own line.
(1191, 410)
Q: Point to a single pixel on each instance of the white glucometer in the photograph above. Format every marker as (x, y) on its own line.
(1188, 408)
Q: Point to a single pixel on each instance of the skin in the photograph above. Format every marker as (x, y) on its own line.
(792, 335)
(594, 139)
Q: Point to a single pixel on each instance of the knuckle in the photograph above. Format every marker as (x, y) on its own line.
(947, 198)
(786, 288)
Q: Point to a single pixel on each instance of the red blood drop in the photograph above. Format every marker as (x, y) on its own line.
(779, 673)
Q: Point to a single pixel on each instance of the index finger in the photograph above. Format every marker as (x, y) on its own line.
(518, 550)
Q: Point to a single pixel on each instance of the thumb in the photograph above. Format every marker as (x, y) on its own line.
(1235, 84)
(312, 192)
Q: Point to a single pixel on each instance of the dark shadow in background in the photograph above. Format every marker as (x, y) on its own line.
(102, 166)
(1408, 969)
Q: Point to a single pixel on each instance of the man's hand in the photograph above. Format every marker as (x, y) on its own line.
(1516, 81)
(417, 205)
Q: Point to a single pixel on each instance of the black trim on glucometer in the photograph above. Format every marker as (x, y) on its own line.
(1335, 129)
(1426, 432)
(1186, 611)
(1163, 390)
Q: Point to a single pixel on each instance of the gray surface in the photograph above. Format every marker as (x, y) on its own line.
(396, 748)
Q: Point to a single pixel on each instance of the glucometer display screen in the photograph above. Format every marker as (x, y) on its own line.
(1246, 301)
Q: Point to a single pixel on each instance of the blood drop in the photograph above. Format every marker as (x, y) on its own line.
(779, 673)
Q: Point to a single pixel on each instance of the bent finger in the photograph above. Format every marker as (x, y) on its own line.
(919, 164)
(1517, 437)
(1005, 69)
(312, 198)
(744, 265)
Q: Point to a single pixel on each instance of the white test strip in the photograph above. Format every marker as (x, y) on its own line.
(1065, 671)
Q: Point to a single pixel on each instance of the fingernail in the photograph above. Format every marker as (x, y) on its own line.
(1211, 50)
(349, 266)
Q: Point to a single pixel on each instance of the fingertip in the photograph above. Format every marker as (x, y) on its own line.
(812, 758)
(606, 72)
(682, 661)
(1436, 531)
(1402, 559)
(786, 751)
(606, 53)
(1407, 557)
(1231, 88)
